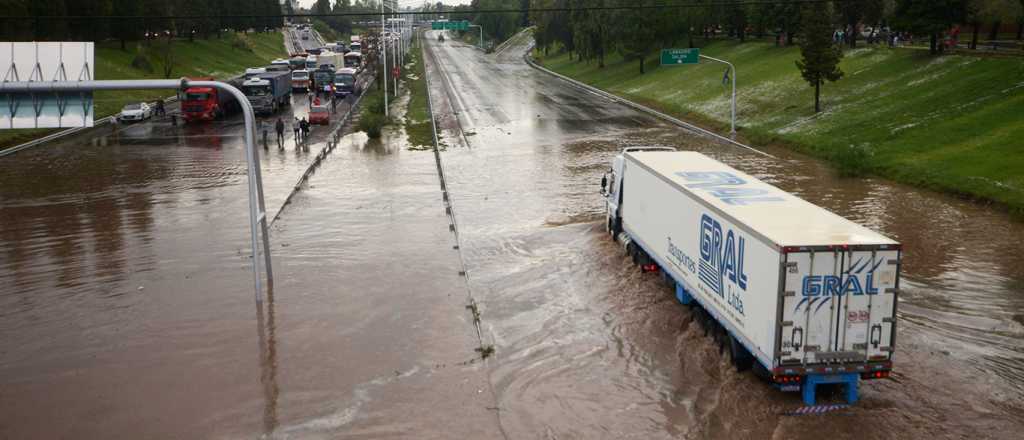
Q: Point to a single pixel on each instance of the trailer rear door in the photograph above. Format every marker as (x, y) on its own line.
(839, 305)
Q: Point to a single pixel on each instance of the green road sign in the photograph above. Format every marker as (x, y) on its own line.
(672, 57)
(450, 25)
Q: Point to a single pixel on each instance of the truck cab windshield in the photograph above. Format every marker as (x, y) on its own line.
(257, 91)
(345, 79)
(197, 96)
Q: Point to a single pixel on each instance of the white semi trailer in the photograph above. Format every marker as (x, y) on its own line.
(803, 295)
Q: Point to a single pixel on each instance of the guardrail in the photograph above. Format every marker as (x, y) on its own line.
(485, 350)
(617, 99)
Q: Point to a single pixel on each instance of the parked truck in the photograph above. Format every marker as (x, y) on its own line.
(323, 76)
(802, 295)
(268, 91)
(207, 103)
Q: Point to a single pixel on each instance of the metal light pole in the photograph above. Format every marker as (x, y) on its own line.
(732, 133)
(481, 34)
(257, 208)
(384, 57)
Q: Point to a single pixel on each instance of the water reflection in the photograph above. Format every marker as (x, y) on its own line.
(266, 330)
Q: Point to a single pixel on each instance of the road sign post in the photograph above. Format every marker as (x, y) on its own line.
(678, 57)
(732, 133)
(481, 34)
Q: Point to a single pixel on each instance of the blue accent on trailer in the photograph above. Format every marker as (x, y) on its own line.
(761, 357)
(850, 380)
(682, 295)
(811, 381)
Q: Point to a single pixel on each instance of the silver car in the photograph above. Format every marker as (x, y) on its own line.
(138, 111)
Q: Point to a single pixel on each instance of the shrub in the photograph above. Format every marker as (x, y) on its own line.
(852, 161)
(371, 123)
(241, 43)
(140, 62)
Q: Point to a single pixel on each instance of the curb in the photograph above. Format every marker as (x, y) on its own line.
(617, 99)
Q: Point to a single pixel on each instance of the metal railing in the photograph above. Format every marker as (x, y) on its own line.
(257, 208)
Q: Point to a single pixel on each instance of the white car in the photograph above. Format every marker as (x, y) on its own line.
(138, 111)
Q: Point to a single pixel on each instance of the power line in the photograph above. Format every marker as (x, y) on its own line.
(688, 5)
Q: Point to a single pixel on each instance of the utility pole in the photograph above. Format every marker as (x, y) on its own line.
(384, 47)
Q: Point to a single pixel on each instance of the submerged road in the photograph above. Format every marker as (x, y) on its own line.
(126, 308)
(587, 347)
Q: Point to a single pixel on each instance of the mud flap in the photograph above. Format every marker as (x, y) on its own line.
(850, 380)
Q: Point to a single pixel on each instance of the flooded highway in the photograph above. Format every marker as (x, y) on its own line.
(127, 308)
(587, 347)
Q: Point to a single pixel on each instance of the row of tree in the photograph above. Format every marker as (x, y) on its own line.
(590, 34)
(75, 20)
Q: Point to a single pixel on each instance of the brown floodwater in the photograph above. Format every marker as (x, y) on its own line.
(127, 311)
(590, 348)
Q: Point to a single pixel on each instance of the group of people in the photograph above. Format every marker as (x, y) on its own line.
(876, 36)
(300, 131)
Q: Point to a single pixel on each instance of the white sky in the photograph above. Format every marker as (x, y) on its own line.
(309, 3)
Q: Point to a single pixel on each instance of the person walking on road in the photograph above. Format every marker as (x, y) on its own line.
(263, 129)
(279, 128)
(295, 130)
(309, 96)
(304, 124)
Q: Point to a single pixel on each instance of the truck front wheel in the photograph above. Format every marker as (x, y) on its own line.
(614, 228)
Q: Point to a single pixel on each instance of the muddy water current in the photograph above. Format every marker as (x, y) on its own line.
(590, 348)
(126, 306)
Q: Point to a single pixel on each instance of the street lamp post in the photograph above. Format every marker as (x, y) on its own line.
(384, 56)
(481, 34)
(732, 132)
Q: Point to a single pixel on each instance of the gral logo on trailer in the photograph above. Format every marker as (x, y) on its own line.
(859, 279)
(721, 256)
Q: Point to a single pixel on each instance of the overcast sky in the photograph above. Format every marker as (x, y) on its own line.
(309, 3)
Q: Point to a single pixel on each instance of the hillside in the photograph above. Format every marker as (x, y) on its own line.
(953, 123)
(219, 58)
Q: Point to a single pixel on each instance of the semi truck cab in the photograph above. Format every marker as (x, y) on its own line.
(260, 94)
(611, 187)
(200, 103)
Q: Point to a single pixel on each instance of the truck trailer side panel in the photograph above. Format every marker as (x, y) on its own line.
(708, 255)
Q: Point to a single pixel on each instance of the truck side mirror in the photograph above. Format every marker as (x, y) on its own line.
(604, 183)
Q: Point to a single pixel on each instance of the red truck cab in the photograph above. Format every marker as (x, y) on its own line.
(200, 104)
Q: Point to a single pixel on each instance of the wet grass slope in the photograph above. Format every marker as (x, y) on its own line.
(219, 58)
(954, 123)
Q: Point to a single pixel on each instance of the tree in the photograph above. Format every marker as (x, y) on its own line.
(15, 29)
(49, 29)
(851, 11)
(636, 33)
(819, 57)
(930, 17)
(130, 29)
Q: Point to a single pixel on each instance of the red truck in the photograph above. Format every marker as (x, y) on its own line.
(206, 103)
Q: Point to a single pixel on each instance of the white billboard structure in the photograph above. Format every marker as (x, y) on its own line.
(57, 92)
(46, 62)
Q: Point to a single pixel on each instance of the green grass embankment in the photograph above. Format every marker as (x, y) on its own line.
(954, 123)
(220, 58)
(418, 124)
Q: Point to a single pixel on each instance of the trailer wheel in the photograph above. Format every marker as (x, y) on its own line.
(741, 357)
